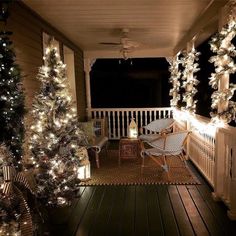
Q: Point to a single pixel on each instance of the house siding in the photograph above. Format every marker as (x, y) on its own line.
(27, 28)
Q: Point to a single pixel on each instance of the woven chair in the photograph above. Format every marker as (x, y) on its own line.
(155, 129)
(169, 145)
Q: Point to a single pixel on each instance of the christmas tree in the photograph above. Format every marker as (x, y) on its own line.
(55, 137)
(11, 100)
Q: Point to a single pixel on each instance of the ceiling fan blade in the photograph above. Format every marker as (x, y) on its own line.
(109, 43)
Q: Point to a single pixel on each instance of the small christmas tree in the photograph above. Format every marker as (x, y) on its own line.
(55, 137)
(11, 100)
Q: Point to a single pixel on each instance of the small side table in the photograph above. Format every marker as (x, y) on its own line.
(129, 148)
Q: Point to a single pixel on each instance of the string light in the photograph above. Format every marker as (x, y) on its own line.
(224, 66)
(190, 81)
(54, 138)
(11, 100)
(175, 75)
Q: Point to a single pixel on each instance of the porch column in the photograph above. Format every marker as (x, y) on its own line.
(224, 80)
(189, 102)
(220, 149)
(190, 46)
(224, 182)
(88, 63)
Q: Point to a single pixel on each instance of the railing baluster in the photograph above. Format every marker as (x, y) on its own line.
(141, 119)
(113, 124)
(118, 124)
(109, 124)
(127, 122)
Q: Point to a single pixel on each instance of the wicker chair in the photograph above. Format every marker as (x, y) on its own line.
(168, 145)
(155, 129)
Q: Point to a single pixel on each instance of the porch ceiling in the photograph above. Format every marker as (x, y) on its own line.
(160, 27)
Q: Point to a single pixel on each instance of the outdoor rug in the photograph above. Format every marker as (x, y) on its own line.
(129, 172)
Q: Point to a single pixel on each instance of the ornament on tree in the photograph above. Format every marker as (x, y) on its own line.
(224, 66)
(11, 100)
(55, 136)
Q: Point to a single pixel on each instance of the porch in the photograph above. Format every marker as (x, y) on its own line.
(204, 209)
(146, 210)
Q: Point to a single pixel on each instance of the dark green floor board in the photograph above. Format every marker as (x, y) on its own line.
(181, 216)
(218, 209)
(193, 214)
(141, 217)
(79, 209)
(168, 218)
(205, 212)
(151, 210)
(155, 225)
(61, 216)
(114, 222)
(101, 221)
(127, 219)
(90, 214)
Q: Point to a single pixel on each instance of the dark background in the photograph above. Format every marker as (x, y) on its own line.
(118, 83)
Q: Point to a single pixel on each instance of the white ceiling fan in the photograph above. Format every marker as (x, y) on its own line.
(126, 44)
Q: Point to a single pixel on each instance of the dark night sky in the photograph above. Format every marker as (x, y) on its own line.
(142, 84)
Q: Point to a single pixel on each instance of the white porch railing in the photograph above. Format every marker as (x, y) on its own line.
(119, 118)
(213, 151)
(200, 146)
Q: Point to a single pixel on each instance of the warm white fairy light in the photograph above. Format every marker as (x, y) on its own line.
(175, 75)
(190, 81)
(55, 138)
(224, 65)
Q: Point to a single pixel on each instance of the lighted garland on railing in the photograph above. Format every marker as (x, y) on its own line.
(190, 67)
(175, 75)
(224, 65)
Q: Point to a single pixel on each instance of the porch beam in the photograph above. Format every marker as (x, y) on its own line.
(203, 20)
(154, 52)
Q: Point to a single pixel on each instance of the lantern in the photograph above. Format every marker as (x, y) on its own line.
(84, 171)
(133, 129)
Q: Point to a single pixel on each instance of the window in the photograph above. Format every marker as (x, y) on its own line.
(55, 42)
(70, 71)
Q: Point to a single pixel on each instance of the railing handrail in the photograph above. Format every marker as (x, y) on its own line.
(132, 109)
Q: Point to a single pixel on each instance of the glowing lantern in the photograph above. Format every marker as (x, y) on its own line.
(133, 129)
(84, 171)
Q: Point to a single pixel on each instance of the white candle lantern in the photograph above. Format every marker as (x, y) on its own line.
(84, 171)
(133, 129)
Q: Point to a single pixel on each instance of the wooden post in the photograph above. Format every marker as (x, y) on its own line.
(232, 211)
(189, 102)
(224, 80)
(219, 169)
(190, 46)
(87, 68)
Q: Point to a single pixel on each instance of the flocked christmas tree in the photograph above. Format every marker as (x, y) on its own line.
(11, 100)
(55, 137)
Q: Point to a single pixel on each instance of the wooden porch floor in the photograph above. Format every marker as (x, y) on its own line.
(146, 211)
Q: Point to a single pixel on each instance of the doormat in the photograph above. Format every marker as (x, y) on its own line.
(129, 171)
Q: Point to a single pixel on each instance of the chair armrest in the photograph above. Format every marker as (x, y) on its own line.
(99, 143)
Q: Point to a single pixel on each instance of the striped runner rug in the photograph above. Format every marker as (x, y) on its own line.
(129, 172)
